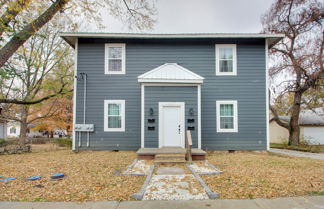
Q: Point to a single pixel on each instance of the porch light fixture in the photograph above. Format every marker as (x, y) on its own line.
(191, 112)
(151, 111)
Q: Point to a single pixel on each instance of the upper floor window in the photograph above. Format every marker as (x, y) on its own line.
(225, 59)
(226, 116)
(114, 115)
(115, 59)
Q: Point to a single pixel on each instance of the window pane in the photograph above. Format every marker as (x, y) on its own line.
(114, 121)
(226, 110)
(226, 122)
(226, 53)
(113, 109)
(115, 52)
(115, 65)
(226, 65)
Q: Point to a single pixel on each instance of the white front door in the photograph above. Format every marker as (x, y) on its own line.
(171, 124)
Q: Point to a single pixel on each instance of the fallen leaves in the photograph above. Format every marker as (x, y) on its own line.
(263, 175)
(89, 176)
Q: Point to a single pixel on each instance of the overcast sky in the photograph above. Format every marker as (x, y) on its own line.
(175, 16)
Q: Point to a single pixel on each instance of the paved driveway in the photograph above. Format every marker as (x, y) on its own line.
(315, 202)
(298, 153)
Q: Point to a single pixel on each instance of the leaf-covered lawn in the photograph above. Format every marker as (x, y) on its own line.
(263, 175)
(89, 176)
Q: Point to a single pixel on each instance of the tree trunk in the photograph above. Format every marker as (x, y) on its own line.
(23, 124)
(294, 131)
(30, 29)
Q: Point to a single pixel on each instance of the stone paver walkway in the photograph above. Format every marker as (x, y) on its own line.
(298, 153)
(174, 187)
(315, 202)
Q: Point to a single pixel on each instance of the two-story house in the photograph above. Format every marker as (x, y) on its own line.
(146, 90)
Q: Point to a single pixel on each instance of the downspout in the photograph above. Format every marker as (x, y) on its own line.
(84, 97)
(85, 76)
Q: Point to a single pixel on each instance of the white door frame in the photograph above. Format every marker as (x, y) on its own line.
(182, 120)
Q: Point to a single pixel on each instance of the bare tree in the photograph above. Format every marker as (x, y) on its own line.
(43, 58)
(299, 54)
(14, 32)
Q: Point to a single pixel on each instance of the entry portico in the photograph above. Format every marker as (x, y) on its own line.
(170, 105)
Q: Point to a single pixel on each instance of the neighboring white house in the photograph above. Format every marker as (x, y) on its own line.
(13, 131)
(311, 127)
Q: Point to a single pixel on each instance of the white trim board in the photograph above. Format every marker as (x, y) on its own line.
(182, 119)
(267, 95)
(75, 91)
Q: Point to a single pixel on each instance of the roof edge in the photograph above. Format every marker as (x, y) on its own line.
(70, 37)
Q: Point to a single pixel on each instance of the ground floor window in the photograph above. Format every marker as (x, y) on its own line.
(12, 130)
(226, 114)
(114, 115)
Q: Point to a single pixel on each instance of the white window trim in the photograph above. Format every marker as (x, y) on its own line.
(122, 111)
(123, 71)
(235, 119)
(217, 47)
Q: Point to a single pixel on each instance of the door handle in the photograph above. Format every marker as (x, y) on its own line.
(179, 129)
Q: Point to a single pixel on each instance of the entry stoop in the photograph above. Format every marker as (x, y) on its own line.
(169, 153)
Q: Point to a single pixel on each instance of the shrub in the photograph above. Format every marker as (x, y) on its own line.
(63, 142)
(38, 140)
(2, 142)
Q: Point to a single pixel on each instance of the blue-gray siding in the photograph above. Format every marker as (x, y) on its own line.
(156, 94)
(248, 88)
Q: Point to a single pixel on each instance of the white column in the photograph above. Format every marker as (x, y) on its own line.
(199, 114)
(142, 114)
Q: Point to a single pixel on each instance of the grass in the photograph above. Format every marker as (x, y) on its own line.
(90, 176)
(264, 175)
(302, 147)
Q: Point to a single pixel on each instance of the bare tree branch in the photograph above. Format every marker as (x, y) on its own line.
(21, 37)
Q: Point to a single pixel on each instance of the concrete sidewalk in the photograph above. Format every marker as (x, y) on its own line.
(317, 156)
(313, 202)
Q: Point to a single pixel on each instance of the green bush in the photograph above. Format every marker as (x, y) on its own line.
(64, 142)
(2, 142)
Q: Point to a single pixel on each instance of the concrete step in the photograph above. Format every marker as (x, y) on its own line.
(170, 158)
(158, 156)
(170, 161)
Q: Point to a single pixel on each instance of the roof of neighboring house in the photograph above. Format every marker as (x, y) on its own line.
(307, 117)
(70, 38)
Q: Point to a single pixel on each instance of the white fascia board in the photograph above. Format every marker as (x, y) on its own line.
(168, 81)
(170, 35)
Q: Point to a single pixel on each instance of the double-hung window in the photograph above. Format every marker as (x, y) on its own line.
(115, 59)
(114, 115)
(12, 130)
(225, 59)
(226, 113)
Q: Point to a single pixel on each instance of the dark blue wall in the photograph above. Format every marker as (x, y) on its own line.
(248, 88)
